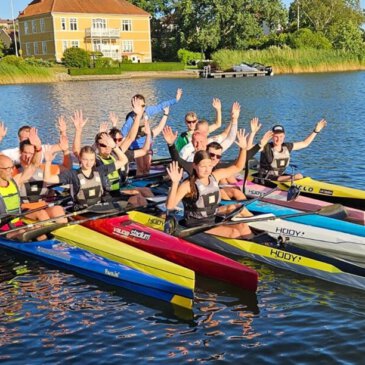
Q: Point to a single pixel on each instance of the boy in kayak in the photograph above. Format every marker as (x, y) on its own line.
(275, 156)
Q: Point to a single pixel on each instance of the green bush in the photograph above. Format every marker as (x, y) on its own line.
(13, 60)
(305, 38)
(104, 62)
(154, 66)
(93, 71)
(38, 62)
(187, 57)
(76, 57)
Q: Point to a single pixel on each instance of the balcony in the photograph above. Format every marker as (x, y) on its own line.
(102, 33)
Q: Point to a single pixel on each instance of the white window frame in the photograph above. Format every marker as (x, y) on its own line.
(126, 25)
(34, 26)
(26, 27)
(63, 24)
(99, 23)
(42, 25)
(127, 46)
(28, 46)
(44, 47)
(64, 45)
(74, 26)
(75, 44)
(36, 48)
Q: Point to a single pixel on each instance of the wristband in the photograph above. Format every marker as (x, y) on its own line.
(166, 115)
(314, 131)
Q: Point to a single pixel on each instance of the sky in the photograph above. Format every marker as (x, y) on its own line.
(18, 5)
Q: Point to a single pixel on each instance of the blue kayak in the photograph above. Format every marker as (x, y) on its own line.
(89, 264)
(314, 220)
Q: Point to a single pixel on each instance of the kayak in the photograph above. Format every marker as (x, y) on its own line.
(303, 203)
(285, 256)
(61, 254)
(174, 249)
(332, 193)
(114, 250)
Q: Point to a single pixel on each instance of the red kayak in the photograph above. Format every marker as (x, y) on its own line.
(177, 250)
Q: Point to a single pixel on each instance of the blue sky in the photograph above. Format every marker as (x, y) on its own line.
(5, 7)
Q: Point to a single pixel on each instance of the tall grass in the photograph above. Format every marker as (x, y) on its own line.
(12, 74)
(287, 60)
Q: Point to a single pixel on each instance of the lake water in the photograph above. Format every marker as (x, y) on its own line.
(53, 316)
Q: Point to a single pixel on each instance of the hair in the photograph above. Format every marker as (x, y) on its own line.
(140, 97)
(87, 149)
(114, 131)
(198, 133)
(199, 156)
(98, 136)
(215, 145)
(191, 114)
(23, 128)
(24, 143)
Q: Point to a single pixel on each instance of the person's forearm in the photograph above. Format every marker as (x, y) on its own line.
(171, 198)
(218, 121)
(155, 109)
(226, 143)
(185, 165)
(158, 129)
(76, 147)
(132, 134)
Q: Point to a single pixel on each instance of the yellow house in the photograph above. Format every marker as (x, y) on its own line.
(116, 28)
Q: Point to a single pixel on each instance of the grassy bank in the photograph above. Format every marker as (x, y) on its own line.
(12, 74)
(286, 60)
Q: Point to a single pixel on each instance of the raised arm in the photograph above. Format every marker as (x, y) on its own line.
(48, 177)
(63, 144)
(235, 113)
(147, 144)
(303, 144)
(255, 127)
(158, 129)
(155, 109)
(3, 131)
(217, 105)
(177, 191)
(114, 119)
(36, 142)
(122, 159)
(79, 123)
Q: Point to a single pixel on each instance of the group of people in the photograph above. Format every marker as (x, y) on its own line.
(27, 174)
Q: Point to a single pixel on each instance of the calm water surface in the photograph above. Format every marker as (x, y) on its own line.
(51, 316)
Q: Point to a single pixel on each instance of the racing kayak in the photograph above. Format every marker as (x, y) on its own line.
(284, 255)
(114, 250)
(332, 193)
(61, 254)
(303, 203)
(175, 249)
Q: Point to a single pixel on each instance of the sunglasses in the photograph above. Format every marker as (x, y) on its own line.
(212, 155)
(118, 139)
(7, 168)
(143, 105)
(191, 121)
(102, 145)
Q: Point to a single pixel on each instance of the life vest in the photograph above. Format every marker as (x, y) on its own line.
(9, 198)
(280, 162)
(35, 189)
(113, 177)
(91, 189)
(205, 206)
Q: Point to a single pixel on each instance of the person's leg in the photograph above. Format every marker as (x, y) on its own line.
(232, 231)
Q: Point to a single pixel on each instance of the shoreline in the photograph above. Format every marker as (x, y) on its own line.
(185, 74)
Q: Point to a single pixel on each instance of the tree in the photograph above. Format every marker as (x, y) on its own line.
(76, 57)
(349, 38)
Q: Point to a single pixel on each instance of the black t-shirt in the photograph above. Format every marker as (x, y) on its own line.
(266, 156)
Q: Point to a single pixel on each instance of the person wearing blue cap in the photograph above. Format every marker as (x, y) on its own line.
(275, 156)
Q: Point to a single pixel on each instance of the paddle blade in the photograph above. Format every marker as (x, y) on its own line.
(336, 211)
(293, 193)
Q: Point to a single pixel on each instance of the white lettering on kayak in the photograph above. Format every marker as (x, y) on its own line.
(121, 232)
(114, 274)
(133, 233)
(289, 232)
(287, 256)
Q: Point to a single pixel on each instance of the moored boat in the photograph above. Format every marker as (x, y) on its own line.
(61, 254)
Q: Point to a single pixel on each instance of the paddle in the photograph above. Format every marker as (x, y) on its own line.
(132, 179)
(330, 210)
(161, 161)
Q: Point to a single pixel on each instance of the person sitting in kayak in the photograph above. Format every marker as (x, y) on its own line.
(191, 120)
(89, 184)
(148, 111)
(275, 156)
(200, 193)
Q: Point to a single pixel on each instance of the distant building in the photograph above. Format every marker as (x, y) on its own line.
(7, 37)
(116, 28)
(6, 23)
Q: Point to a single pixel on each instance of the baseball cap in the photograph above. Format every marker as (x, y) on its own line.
(278, 129)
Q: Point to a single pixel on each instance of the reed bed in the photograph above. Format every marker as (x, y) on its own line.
(287, 60)
(12, 74)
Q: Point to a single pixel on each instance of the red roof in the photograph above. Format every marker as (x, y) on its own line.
(37, 7)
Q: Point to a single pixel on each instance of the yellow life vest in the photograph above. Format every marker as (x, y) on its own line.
(9, 198)
(113, 177)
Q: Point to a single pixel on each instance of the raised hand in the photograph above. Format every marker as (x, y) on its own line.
(62, 126)
(34, 138)
(266, 138)
(137, 106)
(217, 105)
(103, 127)
(107, 140)
(166, 110)
(78, 120)
(3, 131)
(63, 143)
(255, 125)
(179, 93)
(48, 153)
(174, 172)
(114, 119)
(235, 111)
(320, 125)
(147, 127)
(242, 139)
(169, 135)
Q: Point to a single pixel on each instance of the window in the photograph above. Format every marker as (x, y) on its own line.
(127, 46)
(63, 23)
(126, 25)
(42, 25)
(26, 28)
(64, 46)
(28, 49)
(99, 24)
(36, 50)
(44, 47)
(34, 26)
(75, 44)
(73, 24)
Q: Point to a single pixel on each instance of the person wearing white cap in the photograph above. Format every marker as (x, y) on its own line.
(275, 156)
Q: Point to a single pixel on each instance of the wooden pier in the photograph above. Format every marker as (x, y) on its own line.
(226, 75)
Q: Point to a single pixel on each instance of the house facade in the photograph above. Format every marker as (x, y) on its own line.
(116, 28)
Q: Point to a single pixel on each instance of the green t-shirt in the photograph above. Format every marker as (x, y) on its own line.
(183, 140)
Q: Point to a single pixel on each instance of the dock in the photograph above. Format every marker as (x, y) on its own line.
(207, 72)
